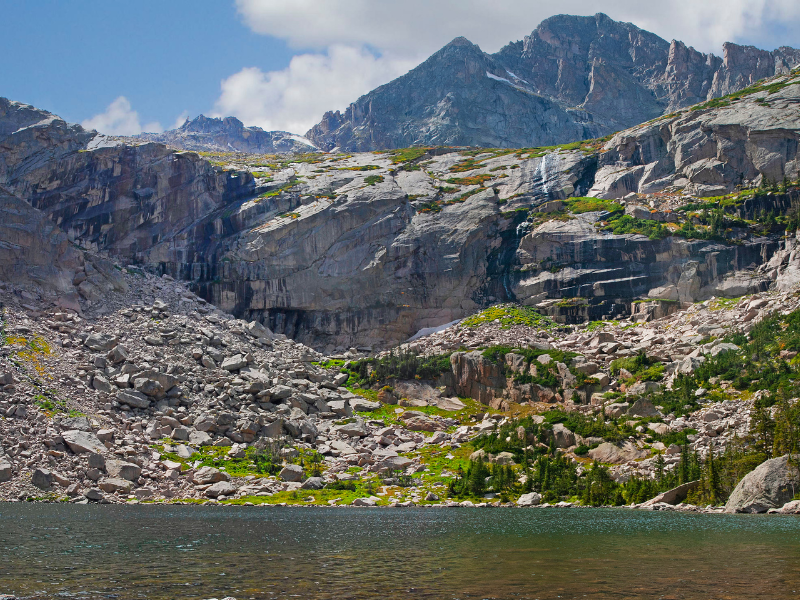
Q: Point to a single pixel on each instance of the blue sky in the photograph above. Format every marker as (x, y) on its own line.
(126, 66)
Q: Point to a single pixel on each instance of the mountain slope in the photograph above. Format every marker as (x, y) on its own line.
(572, 78)
(228, 135)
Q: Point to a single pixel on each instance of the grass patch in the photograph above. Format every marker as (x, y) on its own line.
(509, 315)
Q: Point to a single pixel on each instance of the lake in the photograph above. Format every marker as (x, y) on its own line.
(161, 552)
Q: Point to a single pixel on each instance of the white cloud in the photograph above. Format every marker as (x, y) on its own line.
(180, 119)
(415, 26)
(295, 98)
(120, 119)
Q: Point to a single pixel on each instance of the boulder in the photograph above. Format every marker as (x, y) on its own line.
(364, 502)
(100, 342)
(6, 471)
(113, 485)
(610, 453)
(313, 483)
(83, 441)
(531, 499)
(234, 363)
(771, 485)
(42, 479)
(134, 399)
(221, 488)
(123, 470)
(292, 473)
(356, 429)
(643, 408)
(673, 496)
(206, 475)
(563, 437)
(101, 384)
(364, 405)
(504, 459)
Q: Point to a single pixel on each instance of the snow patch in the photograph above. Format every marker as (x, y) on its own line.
(429, 330)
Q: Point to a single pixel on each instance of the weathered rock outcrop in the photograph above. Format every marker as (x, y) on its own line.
(711, 150)
(228, 135)
(572, 259)
(611, 75)
(108, 196)
(771, 485)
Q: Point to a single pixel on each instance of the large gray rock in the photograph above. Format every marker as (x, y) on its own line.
(123, 470)
(206, 475)
(83, 441)
(100, 342)
(771, 485)
(113, 485)
(531, 499)
(221, 488)
(292, 473)
(6, 471)
(612, 454)
(42, 479)
(134, 399)
(562, 436)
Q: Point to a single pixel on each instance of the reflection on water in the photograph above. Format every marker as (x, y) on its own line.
(156, 552)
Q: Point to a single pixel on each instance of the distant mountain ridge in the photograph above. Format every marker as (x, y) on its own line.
(572, 78)
(228, 135)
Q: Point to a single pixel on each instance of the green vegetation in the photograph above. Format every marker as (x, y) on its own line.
(641, 367)
(509, 315)
(405, 155)
(761, 86)
(373, 179)
(626, 224)
(473, 180)
(396, 365)
(361, 168)
(579, 205)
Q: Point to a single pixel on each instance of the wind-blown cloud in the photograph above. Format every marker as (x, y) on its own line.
(356, 45)
(120, 119)
(295, 98)
(424, 25)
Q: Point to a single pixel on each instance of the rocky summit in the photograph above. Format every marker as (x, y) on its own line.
(572, 78)
(613, 321)
(228, 135)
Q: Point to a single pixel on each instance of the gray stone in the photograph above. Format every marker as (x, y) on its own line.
(6, 471)
(101, 384)
(123, 470)
(100, 342)
(771, 485)
(134, 399)
(207, 475)
(82, 441)
(313, 483)
(113, 485)
(234, 363)
(221, 488)
(530, 499)
(292, 473)
(42, 479)
(364, 405)
(94, 494)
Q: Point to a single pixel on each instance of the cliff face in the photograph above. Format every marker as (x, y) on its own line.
(572, 78)
(108, 196)
(366, 249)
(708, 151)
(228, 135)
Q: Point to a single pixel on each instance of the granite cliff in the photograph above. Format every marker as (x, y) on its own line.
(367, 249)
(572, 78)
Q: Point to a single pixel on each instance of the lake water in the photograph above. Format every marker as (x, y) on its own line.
(161, 552)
